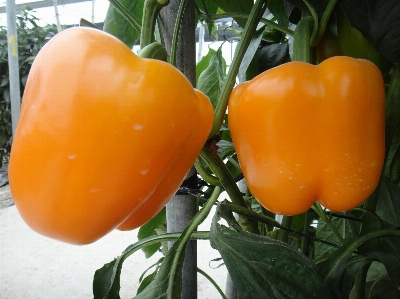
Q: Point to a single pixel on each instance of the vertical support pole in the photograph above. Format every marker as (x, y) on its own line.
(13, 63)
(182, 208)
(201, 41)
(93, 11)
(57, 15)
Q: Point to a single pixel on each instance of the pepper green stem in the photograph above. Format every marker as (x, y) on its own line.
(205, 174)
(186, 234)
(254, 215)
(209, 278)
(301, 45)
(151, 10)
(320, 212)
(360, 282)
(255, 15)
(324, 21)
(283, 235)
(314, 24)
(127, 15)
(221, 171)
(304, 239)
(154, 51)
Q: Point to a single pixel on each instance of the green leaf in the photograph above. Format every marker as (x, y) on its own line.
(250, 52)
(203, 63)
(280, 11)
(392, 117)
(211, 79)
(207, 7)
(225, 148)
(236, 6)
(273, 55)
(85, 23)
(150, 229)
(262, 267)
(106, 281)
(168, 280)
(323, 232)
(118, 26)
(379, 245)
(388, 202)
(144, 282)
(378, 22)
(349, 275)
(381, 289)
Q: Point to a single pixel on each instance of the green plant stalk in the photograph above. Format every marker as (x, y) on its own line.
(320, 212)
(283, 235)
(255, 15)
(151, 10)
(304, 239)
(197, 235)
(269, 214)
(250, 213)
(127, 15)
(301, 44)
(212, 282)
(175, 37)
(360, 281)
(190, 229)
(324, 21)
(206, 175)
(315, 22)
(245, 16)
(221, 171)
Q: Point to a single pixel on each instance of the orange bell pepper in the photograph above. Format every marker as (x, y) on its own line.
(100, 131)
(306, 133)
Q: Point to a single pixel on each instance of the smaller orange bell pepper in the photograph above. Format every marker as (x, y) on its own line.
(306, 133)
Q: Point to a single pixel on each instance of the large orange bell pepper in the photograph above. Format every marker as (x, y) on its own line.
(101, 131)
(306, 133)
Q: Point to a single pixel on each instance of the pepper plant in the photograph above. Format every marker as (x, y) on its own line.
(300, 134)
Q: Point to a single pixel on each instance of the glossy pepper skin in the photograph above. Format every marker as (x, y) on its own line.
(306, 133)
(174, 176)
(100, 132)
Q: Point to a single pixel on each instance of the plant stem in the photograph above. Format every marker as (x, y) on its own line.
(360, 281)
(205, 174)
(301, 45)
(320, 212)
(219, 168)
(212, 282)
(251, 25)
(284, 234)
(305, 240)
(151, 10)
(127, 15)
(314, 23)
(196, 221)
(324, 21)
(250, 213)
(221, 171)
